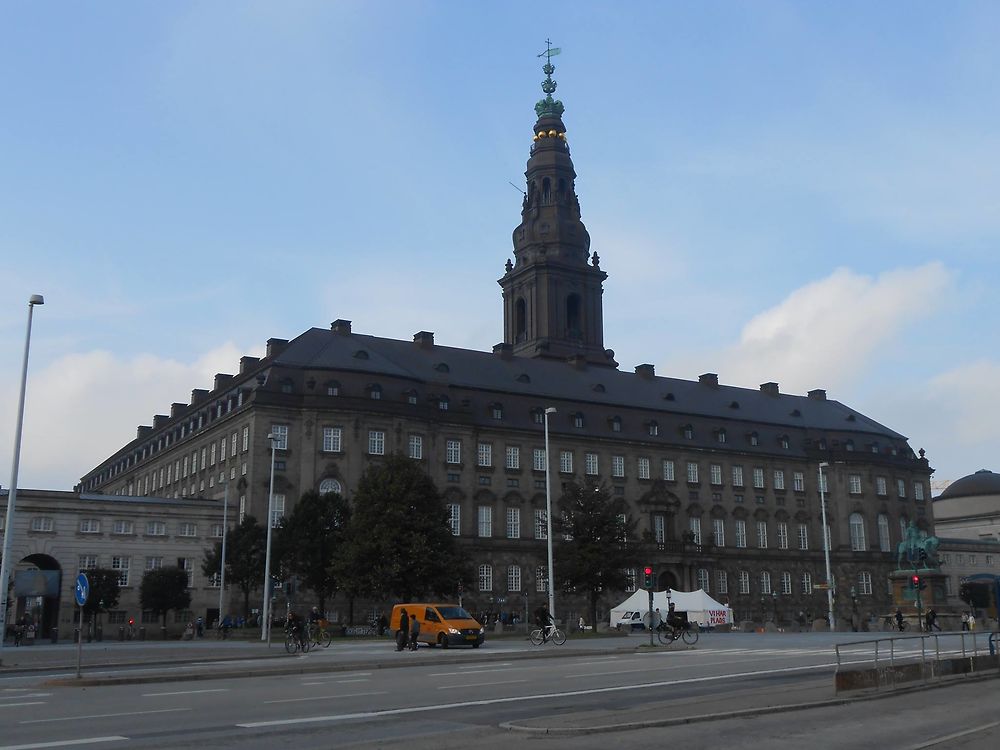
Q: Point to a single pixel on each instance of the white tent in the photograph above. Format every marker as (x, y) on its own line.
(700, 607)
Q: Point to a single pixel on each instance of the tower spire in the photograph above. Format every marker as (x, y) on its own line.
(553, 290)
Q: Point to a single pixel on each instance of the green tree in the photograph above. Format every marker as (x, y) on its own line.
(309, 538)
(245, 549)
(164, 589)
(399, 541)
(104, 591)
(598, 541)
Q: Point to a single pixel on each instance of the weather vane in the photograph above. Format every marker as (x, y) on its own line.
(548, 105)
(550, 51)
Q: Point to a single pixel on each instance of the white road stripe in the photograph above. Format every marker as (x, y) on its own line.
(521, 698)
(186, 692)
(64, 743)
(102, 716)
(319, 698)
(500, 664)
(29, 695)
(956, 735)
(479, 684)
(29, 703)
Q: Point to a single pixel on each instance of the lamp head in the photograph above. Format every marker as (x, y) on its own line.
(550, 410)
(823, 465)
(36, 299)
(270, 436)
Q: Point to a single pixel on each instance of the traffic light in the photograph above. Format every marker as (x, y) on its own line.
(648, 571)
(917, 584)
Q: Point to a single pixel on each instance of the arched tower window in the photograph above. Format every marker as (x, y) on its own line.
(573, 315)
(546, 190)
(520, 319)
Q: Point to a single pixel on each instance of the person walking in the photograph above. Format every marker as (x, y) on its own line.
(965, 621)
(414, 632)
(404, 630)
(972, 621)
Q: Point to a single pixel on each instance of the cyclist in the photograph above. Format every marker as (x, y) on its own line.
(543, 619)
(295, 626)
(899, 619)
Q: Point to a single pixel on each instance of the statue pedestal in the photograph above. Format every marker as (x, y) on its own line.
(904, 596)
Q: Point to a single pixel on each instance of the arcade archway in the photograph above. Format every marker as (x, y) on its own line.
(37, 583)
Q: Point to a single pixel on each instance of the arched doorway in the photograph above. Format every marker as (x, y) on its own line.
(666, 580)
(37, 583)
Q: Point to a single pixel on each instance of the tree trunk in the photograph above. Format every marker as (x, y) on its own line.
(593, 610)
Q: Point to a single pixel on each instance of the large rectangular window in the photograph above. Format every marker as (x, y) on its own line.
(694, 526)
(590, 464)
(538, 459)
(566, 462)
(415, 447)
(485, 521)
(278, 431)
(453, 451)
(719, 532)
(659, 529)
(779, 479)
(741, 533)
(618, 466)
(455, 518)
(807, 583)
(737, 476)
(486, 577)
(798, 481)
(762, 534)
(803, 536)
(715, 473)
(668, 470)
(513, 457)
(782, 535)
(513, 523)
(692, 472)
(376, 443)
(744, 582)
(120, 565)
(277, 510)
(332, 437)
(854, 484)
(513, 577)
(643, 467)
(541, 524)
(721, 582)
(484, 455)
(541, 578)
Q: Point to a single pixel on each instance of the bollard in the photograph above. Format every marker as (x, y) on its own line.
(54, 635)
(121, 633)
(142, 634)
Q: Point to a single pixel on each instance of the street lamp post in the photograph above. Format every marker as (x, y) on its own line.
(548, 514)
(265, 632)
(222, 562)
(826, 546)
(5, 566)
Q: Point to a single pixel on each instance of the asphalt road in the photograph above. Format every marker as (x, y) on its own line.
(468, 702)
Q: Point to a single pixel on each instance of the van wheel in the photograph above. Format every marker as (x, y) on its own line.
(442, 641)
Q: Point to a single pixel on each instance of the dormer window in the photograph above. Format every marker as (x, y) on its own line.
(616, 424)
(720, 436)
(874, 447)
(411, 397)
(688, 432)
(443, 403)
(332, 388)
(849, 445)
(375, 392)
(286, 385)
(496, 412)
(754, 438)
(784, 442)
(654, 429)
(538, 416)
(578, 420)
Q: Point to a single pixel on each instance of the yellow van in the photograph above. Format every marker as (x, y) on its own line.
(441, 624)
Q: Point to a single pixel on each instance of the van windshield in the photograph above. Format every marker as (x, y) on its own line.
(454, 613)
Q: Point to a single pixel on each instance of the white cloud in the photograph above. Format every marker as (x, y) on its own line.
(82, 407)
(825, 334)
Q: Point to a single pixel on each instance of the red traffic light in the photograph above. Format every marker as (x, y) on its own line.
(648, 570)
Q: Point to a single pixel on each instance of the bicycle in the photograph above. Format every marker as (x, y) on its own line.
(552, 633)
(319, 634)
(668, 633)
(222, 632)
(296, 641)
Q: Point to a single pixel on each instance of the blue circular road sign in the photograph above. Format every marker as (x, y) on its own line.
(82, 589)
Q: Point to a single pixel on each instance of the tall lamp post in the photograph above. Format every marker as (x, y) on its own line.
(265, 632)
(5, 566)
(548, 514)
(826, 546)
(222, 562)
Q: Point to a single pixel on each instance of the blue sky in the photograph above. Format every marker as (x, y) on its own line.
(792, 191)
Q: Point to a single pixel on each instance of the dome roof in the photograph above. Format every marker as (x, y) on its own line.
(983, 482)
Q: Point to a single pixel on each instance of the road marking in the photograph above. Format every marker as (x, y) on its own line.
(29, 703)
(478, 671)
(29, 695)
(599, 661)
(64, 743)
(101, 716)
(186, 692)
(657, 668)
(947, 738)
(501, 664)
(522, 698)
(319, 698)
(479, 684)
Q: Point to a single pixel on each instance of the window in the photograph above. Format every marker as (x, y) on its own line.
(485, 521)
(865, 583)
(688, 432)
(243, 508)
(737, 476)
(692, 472)
(807, 583)
(415, 447)
(616, 424)
(643, 468)
(333, 388)
(803, 536)
(857, 524)
(741, 533)
(694, 526)
(765, 582)
(486, 577)
(721, 582)
(455, 518)
(537, 416)
(120, 565)
(121, 527)
(154, 563)
(513, 577)
(217, 529)
(715, 474)
(453, 451)
(277, 510)
(881, 488)
(703, 579)
(541, 578)
(496, 411)
(375, 392)
(566, 462)
(88, 562)
(854, 484)
(514, 523)
(443, 404)
(90, 526)
(538, 459)
(541, 524)
(185, 464)
(187, 565)
(280, 433)
(590, 464)
(720, 436)
(918, 491)
(754, 439)
(798, 481)
(156, 528)
(187, 529)
(376, 443)
(484, 455)
(779, 479)
(246, 445)
(786, 582)
(211, 459)
(762, 534)
(758, 479)
(618, 466)
(884, 543)
(901, 488)
(631, 580)
(513, 457)
(232, 446)
(782, 535)
(654, 429)
(659, 529)
(42, 523)
(332, 437)
(744, 582)
(719, 532)
(668, 470)
(578, 420)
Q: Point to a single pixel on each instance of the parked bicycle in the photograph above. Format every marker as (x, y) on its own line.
(552, 633)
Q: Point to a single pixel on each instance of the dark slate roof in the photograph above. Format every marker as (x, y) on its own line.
(983, 482)
(555, 380)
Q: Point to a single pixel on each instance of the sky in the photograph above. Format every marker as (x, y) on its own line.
(799, 192)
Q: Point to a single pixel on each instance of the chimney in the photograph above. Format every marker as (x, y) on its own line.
(247, 364)
(771, 389)
(176, 409)
(578, 361)
(343, 327)
(159, 420)
(221, 381)
(142, 430)
(709, 378)
(504, 351)
(424, 339)
(275, 347)
(646, 372)
(817, 394)
(198, 395)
